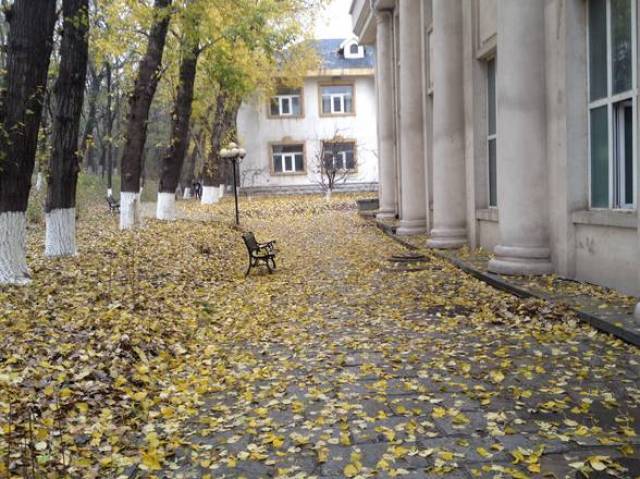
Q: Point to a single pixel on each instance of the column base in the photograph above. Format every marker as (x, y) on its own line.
(385, 214)
(447, 238)
(520, 260)
(411, 227)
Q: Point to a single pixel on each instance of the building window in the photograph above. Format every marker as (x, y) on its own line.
(491, 133)
(287, 103)
(288, 158)
(339, 156)
(336, 99)
(612, 103)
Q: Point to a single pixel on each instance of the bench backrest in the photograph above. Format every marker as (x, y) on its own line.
(250, 241)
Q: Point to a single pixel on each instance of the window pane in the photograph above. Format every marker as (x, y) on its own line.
(288, 163)
(299, 163)
(493, 174)
(295, 105)
(599, 158)
(351, 164)
(291, 148)
(348, 104)
(337, 104)
(491, 95)
(326, 104)
(628, 155)
(275, 108)
(277, 163)
(597, 49)
(286, 106)
(621, 44)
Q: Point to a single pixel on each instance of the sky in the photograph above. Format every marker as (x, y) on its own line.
(335, 22)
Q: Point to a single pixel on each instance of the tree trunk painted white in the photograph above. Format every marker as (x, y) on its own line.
(13, 258)
(210, 195)
(39, 181)
(221, 191)
(166, 206)
(129, 209)
(187, 193)
(327, 194)
(110, 192)
(60, 236)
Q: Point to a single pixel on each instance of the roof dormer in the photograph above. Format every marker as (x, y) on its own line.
(351, 49)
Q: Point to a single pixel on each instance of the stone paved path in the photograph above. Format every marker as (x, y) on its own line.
(383, 369)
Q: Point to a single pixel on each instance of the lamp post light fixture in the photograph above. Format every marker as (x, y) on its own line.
(235, 154)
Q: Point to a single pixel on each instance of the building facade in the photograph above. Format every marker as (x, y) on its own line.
(289, 136)
(512, 125)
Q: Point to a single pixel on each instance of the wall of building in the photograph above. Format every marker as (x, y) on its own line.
(257, 132)
(599, 246)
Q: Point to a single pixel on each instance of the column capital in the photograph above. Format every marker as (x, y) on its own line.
(381, 6)
(383, 16)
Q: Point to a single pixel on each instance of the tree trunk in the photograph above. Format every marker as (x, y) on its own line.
(64, 163)
(215, 170)
(31, 25)
(189, 170)
(87, 144)
(172, 162)
(139, 104)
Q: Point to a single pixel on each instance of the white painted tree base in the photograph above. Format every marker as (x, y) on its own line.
(221, 191)
(13, 258)
(210, 195)
(60, 235)
(187, 193)
(166, 206)
(110, 192)
(129, 210)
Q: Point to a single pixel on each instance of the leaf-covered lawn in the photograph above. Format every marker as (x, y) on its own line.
(150, 354)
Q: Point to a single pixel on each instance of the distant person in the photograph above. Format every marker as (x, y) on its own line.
(197, 190)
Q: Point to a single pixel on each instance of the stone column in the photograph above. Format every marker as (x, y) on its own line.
(521, 144)
(449, 179)
(386, 121)
(413, 210)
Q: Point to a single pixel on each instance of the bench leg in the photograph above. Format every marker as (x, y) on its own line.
(249, 268)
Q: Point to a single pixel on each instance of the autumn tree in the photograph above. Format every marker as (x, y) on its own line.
(181, 114)
(64, 162)
(30, 41)
(139, 104)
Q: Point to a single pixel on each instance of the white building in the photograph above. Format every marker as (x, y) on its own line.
(336, 107)
(512, 125)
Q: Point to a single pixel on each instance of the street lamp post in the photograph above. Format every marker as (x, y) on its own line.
(235, 154)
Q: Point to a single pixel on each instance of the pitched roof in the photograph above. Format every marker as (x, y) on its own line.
(333, 59)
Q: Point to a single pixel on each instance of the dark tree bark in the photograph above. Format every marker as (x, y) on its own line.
(189, 170)
(86, 146)
(31, 25)
(224, 120)
(141, 98)
(64, 163)
(181, 115)
(68, 97)
(30, 41)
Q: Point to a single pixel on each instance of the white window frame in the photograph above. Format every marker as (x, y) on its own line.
(343, 156)
(615, 173)
(283, 157)
(341, 96)
(280, 99)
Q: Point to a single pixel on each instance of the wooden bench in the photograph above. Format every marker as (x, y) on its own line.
(114, 206)
(259, 252)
